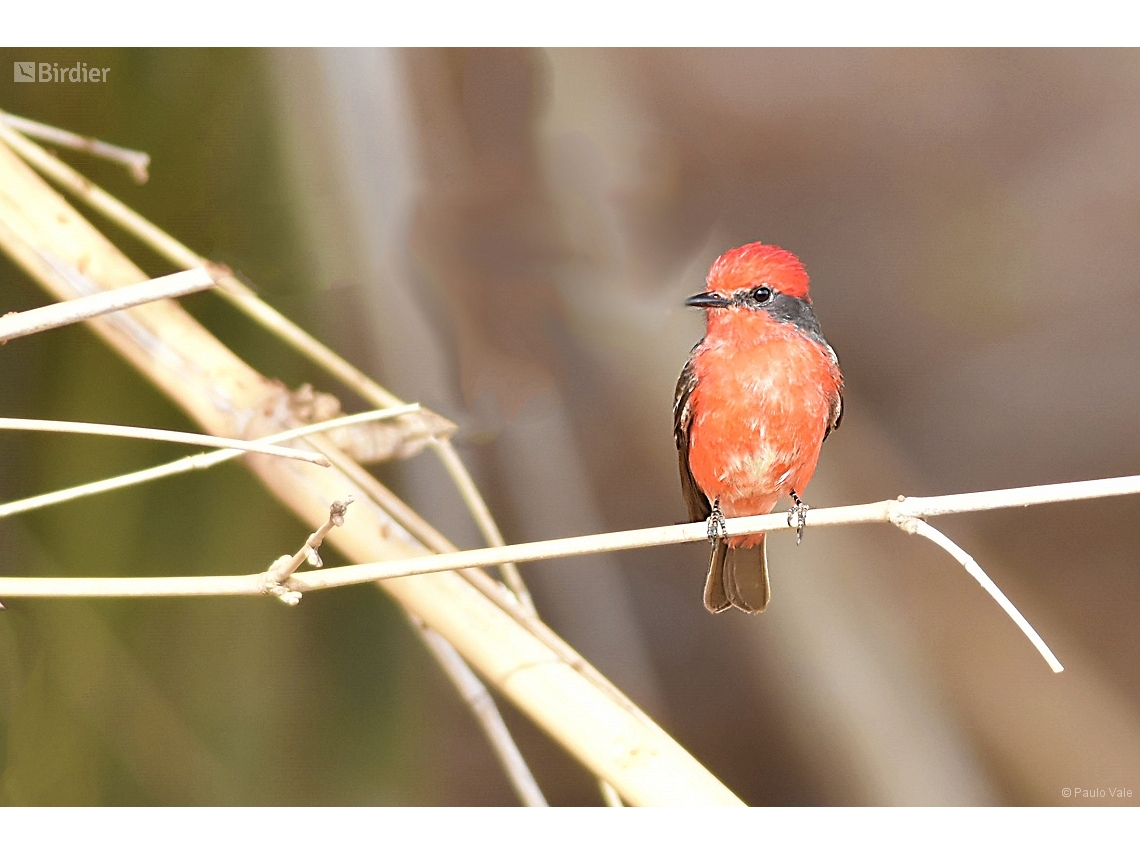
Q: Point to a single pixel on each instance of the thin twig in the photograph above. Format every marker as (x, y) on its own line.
(902, 512)
(354, 574)
(177, 436)
(193, 463)
(886, 511)
(913, 526)
(447, 455)
(286, 565)
(479, 699)
(509, 572)
(610, 796)
(136, 162)
(17, 324)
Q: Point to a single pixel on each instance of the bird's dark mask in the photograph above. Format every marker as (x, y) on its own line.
(781, 307)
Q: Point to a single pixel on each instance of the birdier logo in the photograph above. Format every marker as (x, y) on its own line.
(51, 72)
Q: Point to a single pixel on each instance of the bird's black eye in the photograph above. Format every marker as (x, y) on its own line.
(762, 294)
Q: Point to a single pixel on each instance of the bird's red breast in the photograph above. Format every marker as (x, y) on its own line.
(766, 387)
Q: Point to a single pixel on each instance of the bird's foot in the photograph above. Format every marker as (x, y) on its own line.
(717, 528)
(797, 516)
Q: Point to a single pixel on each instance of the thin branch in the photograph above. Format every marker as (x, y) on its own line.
(913, 526)
(902, 512)
(479, 699)
(17, 324)
(136, 162)
(193, 463)
(447, 454)
(886, 511)
(354, 574)
(286, 565)
(610, 796)
(182, 437)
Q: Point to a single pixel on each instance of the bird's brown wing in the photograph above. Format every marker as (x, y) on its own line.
(835, 416)
(698, 502)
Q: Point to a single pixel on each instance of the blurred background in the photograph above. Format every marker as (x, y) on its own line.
(507, 236)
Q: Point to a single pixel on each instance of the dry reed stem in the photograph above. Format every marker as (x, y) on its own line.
(923, 529)
(193, 463)
(136, 162)
(891, 511)
(479, 700)
(615, 740)
(906, 513)
(17, 324)
(287, 565)
(175, 436)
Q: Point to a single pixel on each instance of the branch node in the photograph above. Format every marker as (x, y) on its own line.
(286, 595)
(924, 529)
(903, 520)
(286, 565)
(279, 567)
(339, 509)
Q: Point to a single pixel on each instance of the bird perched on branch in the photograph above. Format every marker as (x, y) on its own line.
(757, 398)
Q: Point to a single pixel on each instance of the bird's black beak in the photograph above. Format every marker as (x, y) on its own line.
(707, 300)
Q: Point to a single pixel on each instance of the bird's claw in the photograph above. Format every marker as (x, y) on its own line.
(717, 527)
(797, 516)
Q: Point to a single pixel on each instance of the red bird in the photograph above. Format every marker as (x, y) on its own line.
(757, 398)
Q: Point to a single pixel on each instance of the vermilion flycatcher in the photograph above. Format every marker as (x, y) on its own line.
(757, 398)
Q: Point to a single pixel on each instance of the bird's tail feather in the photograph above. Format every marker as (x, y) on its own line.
(738, 577)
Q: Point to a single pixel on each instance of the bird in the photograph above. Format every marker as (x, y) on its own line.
(759, 394)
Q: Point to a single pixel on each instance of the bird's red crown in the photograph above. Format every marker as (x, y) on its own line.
(754, 264)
